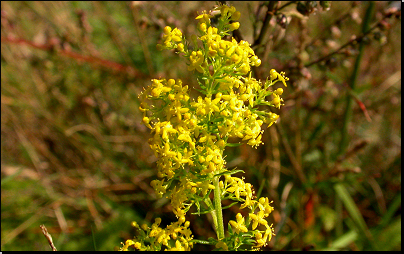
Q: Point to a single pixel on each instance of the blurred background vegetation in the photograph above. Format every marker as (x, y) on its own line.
(74, 153)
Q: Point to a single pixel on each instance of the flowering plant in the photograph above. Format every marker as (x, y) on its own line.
(190, 135)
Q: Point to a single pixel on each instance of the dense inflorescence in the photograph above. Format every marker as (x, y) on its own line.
(189, 135)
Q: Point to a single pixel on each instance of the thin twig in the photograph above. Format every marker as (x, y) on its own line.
(295, 164)
(142, 36)
(23, 226)
(350, 42)
(48, 236)
(353, 79)
(283, 6)
(270, 12)
(322, 34)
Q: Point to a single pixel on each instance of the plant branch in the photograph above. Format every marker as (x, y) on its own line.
(350, 42)
(339, 20)
(142, 36)
(296, 166)
(48, 237)
(283, 6)
(265, 25)
(88, 59)
(348, 110)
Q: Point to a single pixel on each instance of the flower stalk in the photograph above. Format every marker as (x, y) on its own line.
(189, 136)
(218, 210)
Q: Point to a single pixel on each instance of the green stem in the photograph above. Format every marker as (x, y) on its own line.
(348, 110)
(218, 209)
(208, 202)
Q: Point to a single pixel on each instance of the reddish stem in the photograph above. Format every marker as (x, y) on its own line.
(89, 59)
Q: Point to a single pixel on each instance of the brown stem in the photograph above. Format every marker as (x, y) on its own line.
(89, 59)
(271, 6)
(283, 6)
(48, 237)
(350, 42)
(295, 164)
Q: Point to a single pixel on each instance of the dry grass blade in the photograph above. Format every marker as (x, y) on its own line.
(48, 237)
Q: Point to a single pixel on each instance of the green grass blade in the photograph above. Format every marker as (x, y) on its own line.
(395, 205)
(353, 211)
(390, 238)
(343, 241)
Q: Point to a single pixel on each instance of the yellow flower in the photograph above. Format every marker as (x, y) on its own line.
(211, 35)
(196, 59)
(258, 219)
(259, 240)
(180, 47)
(227, 11)
(189, 135)
(269, 232)
(222, 245)
(277, 101)
(255, 141)
(274, 75)
(158, 186)
(239, 225)
(237, 187)
(279, 91)
(248, 202)
(146, 121)
(171, 38)
(234, 26)
(236, 15)
(204, 18)
(138, 245)
(202, 27)
(178, 247)
(127, 244)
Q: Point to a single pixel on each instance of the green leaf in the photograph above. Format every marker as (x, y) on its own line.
(233, 144)
(201, 241)
(394, 206)
(202, 212)
(231, 172)
(232, 204)
(328, 217)
(343, 241)
(353, 211)
(390, 238)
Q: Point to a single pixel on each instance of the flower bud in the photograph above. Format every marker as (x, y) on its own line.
(276, 101)
(180, 47)
(167, 30)
(235, 16)
(273, 74)
(146, 120)
(279, 91)
(202, 27)
(234, 26)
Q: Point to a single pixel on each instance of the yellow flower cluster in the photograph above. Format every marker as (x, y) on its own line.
(177, 236)
(189, 135)
(172, 39)
(237, 187)
(237, 56)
